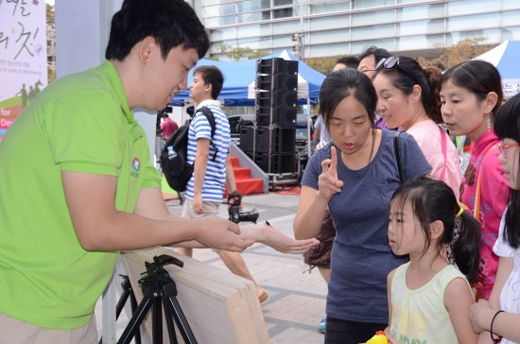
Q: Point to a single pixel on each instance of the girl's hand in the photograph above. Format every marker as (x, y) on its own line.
(481, 314)
(328, 183)
(391, 339)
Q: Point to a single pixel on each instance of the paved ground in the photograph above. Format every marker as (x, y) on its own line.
(297, 298)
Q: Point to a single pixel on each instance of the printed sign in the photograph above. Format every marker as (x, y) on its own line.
(23, 56)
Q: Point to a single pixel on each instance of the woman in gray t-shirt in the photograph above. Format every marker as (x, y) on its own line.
(355, 176)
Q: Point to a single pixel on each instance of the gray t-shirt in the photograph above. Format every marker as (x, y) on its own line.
(361, 256)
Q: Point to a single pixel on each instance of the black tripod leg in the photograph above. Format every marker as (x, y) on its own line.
(157, 321)
(169, 323)
(133, 306)
(178, 315)
(127, 290)
(136, 320)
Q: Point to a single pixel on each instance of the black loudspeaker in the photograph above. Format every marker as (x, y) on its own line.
(247, 136)
(275, 140)
(277, 92)
(275, 163)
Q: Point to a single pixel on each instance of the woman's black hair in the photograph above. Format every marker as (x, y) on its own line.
(409, 73)
(478, 77)
(344, 83)
(507, 126)
(434, 200)
(171, 23)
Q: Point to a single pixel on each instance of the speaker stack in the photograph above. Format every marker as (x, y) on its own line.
(270, 142)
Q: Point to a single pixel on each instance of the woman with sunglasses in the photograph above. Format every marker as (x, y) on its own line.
(501, 315)
(408, 98)
(355, 176)
(471, 93)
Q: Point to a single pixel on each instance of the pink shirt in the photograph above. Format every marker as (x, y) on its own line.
(428, 136)
(494, 196)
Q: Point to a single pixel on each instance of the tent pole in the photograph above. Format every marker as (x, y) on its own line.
(309, 126)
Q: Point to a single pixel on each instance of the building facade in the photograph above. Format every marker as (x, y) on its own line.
(318, 28)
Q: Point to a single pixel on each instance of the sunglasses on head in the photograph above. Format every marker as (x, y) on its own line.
(392, 62)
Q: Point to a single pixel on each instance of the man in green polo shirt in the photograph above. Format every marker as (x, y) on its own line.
(78, 186)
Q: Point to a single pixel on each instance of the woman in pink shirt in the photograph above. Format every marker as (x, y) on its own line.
(408, 98)
(471, 93)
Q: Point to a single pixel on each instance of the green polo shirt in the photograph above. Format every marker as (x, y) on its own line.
(79, 123)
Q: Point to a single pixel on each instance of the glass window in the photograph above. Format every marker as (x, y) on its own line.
(510, 4)
(474, 22)
(420, 27)
(250, 5)
(330, 7)
(370, 18)
(222, 10)
(286, 27)
(216, 2)
(510, 18)
(223, 34)
(282, 2)
(358, 47)
(356, 4)
(283, 13)
(211, 22)
(255, 31)
(411, 1)
(250, 17)
(328, 50)
(419, 42)
(512, 33)
(375, 31)
(491, 35)
(420, 12)
(282, 42)
(329, 36)
(472, 6)
(330, 22)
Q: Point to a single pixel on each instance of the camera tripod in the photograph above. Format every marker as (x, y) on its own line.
(158, 289)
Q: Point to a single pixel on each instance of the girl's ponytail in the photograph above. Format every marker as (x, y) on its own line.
(465, 249)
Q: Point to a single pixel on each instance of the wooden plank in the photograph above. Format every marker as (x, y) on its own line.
(219, 306)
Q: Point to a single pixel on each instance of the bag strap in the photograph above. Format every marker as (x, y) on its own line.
(476, 210)
(398, 156)
(211, 119)
(444, 152)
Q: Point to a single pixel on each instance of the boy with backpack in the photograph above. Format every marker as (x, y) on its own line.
(208, 148)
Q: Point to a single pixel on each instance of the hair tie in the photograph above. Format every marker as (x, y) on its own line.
(461, 210)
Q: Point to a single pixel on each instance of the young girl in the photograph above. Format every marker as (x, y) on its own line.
(506, 291)
(428, 298)
(408, 97)
(355, 176)
(471, 94)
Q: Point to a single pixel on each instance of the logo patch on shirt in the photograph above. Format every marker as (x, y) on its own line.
(135, 167)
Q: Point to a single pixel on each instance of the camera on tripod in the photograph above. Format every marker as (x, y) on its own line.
(235, 215)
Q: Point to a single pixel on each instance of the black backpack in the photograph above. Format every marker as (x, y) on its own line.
(174, 160)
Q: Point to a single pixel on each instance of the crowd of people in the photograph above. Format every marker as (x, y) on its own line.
(416, 243)
(405, 242)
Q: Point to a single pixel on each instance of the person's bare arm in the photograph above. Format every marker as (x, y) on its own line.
(505, 324)
(458, 300)
(199, 169)
(230, 175)
(99, 226)
(505, 265)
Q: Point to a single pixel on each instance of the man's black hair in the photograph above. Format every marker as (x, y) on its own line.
(349, 61)
(379, 53)
(170, 22)
(211, 75)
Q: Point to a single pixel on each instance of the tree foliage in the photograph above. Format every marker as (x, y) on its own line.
(238, 53)
(50, 18)
(464, 50)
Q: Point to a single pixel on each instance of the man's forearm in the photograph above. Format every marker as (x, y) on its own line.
(201, 163)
